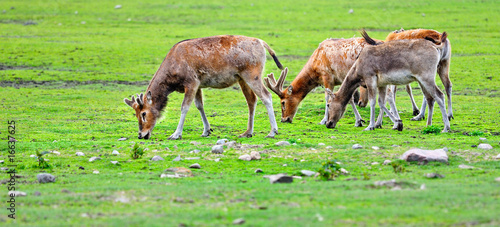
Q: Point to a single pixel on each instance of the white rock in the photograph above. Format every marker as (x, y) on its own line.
(375, 163)
(387, 162)
(485, 146)
(178, 158)
(217, 149)
(463, 166)
(344, 171)
(158, 158)
(122, 139)
(2, 161)
(115, 152)
(376, 148)
(420, 155)
(32, 156)
(497, 179)
(282, 143)
(329, 147)
(258, 171)
(498, 156)
(285, 165)
(96, 172)
(482, 139)
(80, 154)
(255, 155)
(221, 141)
(356, 146)
(195, 166)
(351, 11)
(194, 151)
(321, 144)
(114, 162)
(45, 178)
(55, 152)
(192, 158)
(195, 143)
(230, 144)
(239, 221)
(279, 178)
(118, 6)
(16, 193)
(245, 157)
(308, 173)
(217, 160)
(94, 158)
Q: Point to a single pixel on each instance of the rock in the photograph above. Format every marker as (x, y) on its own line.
(245, 157)
(16, 193)
(96, 172)
(217, 160)
(194, 151)
(12, 139)
(425, 156)
(158, 158)
(395, 145)
(65, 191)
(114, 162)
(279, 178)
(122, 139)
(217, 149)
(178, 158)
(258, 171)
(375, 163)
(463, 166)
(180, 171)
(55, 152)
(118, 6)
(308, 173)
(321, 144)
(356, 146)
(2, 161)
(192, 158)
(174, 147)
(37, 193)
(433, 175)
(80, 154)
(376, 148)
(343, 171)
(94, 158)
(255, 155)
(239, 221)
(482, 139)
(485, 146)
(351, 11)
(285, 165)
(387, 162)
(195, 143)
(498, 156)
(497, 179)
(221, 141)
(32, 156)
(195, 166)
(445, 149)
(282, 143)
(115, 152)
(45, 178)
(230, 144)
(328, 147)
(297, 177)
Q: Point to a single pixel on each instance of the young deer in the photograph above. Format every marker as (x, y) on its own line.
(397, 62)
(327, 66)
(217, 62)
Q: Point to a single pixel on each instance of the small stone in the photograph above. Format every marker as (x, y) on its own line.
(12, 139)
(2, 161)
(194, 151)
(195, 166)
(376, 148)
(94, 158)
(445, 149)
(118, 6)
(37, 193)
(175, 147)
(482, 139)
(217, 160)
(16, 193)
(321, 144)
(485, 146)
(65, 191)
(498, 156)
(192, 158)
(497, 179)
(423, 14)
(45, 178)
(282, 143)
(279, 178)
(387, 162)
(285, 165)
(351, 11)
(356, 146)
(195, 143)
(333, 137)
(239, 221)
(255, 155)
(433, 175)
(425, 156)
(245, 157)
(114, 162)
(328, 147)
(217, 149)
(395, 145)
(258, 171)
(230, 144)
(344, 171)
(80, 154)
(297, 177)
(178, 172)
(221, 141)
(375, 163)
(158, 158)
(463, 166)
(96, 172)
(83, 22)
(178, 158)
(308, 173)
(115, 152)
(55, 152)
(32, 156)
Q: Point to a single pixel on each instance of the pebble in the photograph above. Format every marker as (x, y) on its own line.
(115, 152)
(433, 175)
(80, 154)
(195, 166)
(17, 193)
(2, 161)
(245, 157)
(178, 158)
(194, 151)
(37, 193)
(239, 221)
(217, 160)
(45, 178)
(329, 147)
(356, 146)
(308, 173)
(221, 141)
(482, 139)
(321, 144)
(375, 163)
(195, 143)
(192, 158)
(279, 178)
(395, 145)
(258, 171)
(114, 162)
(55, 152)
(231, 144)
(157, 158)
(497, 179)
(344, 171)
(376, 148)
(420, 155)
(282, 143)
(351, 11)
(463, 166)
(387, 162)
(217, 149)
(255, 155)
(285, 165)
(498, 156)
(94, 158)
(32, 156)
(118, 6)
(96, 172)
(485, 146)
(122, 139)
(180, 171)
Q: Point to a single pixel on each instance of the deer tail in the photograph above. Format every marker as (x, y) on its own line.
(273, 54)
(367, 38)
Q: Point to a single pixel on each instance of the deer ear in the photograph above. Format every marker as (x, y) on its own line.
(149, 98)
(330, 93)
(129, 102)
(290, 90)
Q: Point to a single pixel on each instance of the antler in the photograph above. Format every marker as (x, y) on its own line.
(140, 99)
(277, 87)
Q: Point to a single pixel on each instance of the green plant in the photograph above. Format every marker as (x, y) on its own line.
(41, 161)
(431, 129)
(399, 166)
(137, 152)
(476, 133)
(329, 170)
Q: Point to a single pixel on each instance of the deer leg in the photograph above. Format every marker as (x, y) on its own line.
(443, 71)
(421, 115)
(438, 96)
(359, 120)
(372, 93)
(266, 98)
(427, 89)
(325, 118)
(413, 104)
(198, 102)
(189, 95)
(252, 103)
(363, 97)
(391, 94)
(398, 124)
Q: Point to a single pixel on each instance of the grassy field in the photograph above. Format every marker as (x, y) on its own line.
(65, 67)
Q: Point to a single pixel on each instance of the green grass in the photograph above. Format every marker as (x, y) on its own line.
(63, 82)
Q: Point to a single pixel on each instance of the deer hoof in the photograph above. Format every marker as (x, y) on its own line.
(416, 112)
(418, 118)
(368, 128)
(360, 123)
(323, 122)
(398, 126)
(247, 135)
(450, 117)
(378, 125)
(172, 137)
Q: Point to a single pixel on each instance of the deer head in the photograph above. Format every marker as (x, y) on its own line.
(145, 113)
(335, 109)
(289, 102)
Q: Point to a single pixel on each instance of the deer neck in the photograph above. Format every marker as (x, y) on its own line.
(305, 82)
(160, 90)
(348, 87)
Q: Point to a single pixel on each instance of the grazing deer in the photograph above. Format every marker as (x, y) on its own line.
(327, 66)
(443, 71)
(397, 62)
(217, 62)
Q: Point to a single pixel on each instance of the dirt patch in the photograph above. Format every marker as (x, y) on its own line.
(66, 84)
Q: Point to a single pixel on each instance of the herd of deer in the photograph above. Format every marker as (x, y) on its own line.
(372, 65)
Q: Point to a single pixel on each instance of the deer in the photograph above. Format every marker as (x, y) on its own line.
(215, 62)
(443, 71)
(397, 62)
(328, 66)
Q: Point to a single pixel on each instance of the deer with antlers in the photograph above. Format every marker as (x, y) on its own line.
(327, 66)
(397, 62)
(216, 62)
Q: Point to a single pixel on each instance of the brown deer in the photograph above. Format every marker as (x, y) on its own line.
(397, 62)
(217, 62)
(443, 71)
(327, 66)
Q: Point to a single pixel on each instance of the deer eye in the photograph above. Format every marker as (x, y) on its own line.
(283, 105)
(144, 116)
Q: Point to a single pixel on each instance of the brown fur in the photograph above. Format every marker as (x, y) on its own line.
(217, 62)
